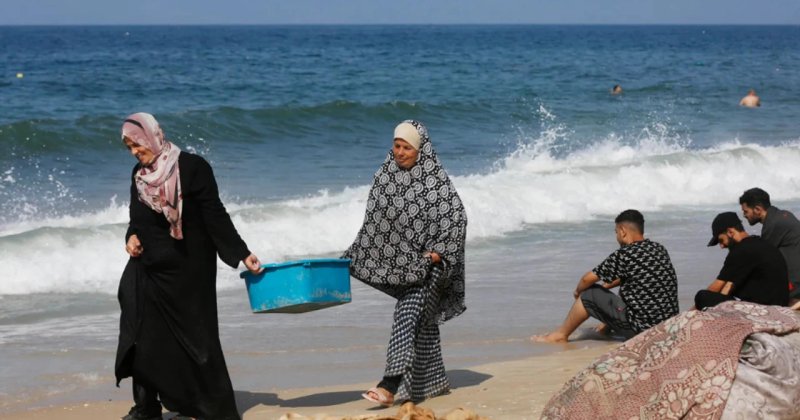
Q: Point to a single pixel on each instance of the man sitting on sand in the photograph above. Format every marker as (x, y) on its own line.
(648, 286)
(751, 100)
(781, 229)
(753, 271)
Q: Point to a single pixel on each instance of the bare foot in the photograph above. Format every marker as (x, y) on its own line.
(553, 337)
(602, 329)
(795, 304)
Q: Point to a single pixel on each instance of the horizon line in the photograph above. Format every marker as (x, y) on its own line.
(390, 24)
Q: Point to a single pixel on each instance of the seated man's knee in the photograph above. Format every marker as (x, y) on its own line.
(706, 299)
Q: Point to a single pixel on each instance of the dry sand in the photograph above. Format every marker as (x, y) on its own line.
(506, 390)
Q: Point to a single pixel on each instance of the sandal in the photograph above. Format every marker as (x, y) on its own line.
(381, 396)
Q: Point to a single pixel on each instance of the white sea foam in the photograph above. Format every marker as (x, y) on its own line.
(608, 177)
(112, 214)
(84, 253)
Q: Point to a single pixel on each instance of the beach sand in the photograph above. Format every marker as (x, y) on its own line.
(516, 389)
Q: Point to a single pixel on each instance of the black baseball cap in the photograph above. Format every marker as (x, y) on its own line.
(721, 223)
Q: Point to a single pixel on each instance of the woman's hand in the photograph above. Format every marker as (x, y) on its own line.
(134, 247)
(253, 264)
(435, 258)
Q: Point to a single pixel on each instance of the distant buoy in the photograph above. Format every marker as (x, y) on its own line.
(20, 75)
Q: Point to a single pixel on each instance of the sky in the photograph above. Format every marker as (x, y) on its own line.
(277, 12)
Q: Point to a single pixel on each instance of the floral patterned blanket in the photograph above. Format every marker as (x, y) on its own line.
(683, 367)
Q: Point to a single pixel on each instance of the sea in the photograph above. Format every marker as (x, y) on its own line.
(295, 120)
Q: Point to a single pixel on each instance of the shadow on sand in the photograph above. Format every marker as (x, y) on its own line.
(463, 377)
(246, 400)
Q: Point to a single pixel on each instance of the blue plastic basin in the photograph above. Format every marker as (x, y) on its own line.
(299, 286)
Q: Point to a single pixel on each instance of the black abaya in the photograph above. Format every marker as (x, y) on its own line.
(169, 337)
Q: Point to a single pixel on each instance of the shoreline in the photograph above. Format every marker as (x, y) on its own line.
(516, 389)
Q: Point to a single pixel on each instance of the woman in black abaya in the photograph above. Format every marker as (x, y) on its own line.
(169, 337)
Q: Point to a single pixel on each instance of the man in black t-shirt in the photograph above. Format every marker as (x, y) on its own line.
(754, 270)
(648, 286)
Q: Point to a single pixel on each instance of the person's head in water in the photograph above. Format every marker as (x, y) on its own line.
(727, 230)
(406, 145)
(755, 203)
(629, 227)
(616, 90)
(751, 100)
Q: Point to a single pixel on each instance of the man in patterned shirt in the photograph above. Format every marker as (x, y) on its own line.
(648, 286)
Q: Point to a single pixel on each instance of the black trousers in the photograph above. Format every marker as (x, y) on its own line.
(706, 299)
(146, 402)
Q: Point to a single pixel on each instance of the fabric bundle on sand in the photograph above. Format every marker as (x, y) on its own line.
(682, 368)
(407, 411)
(767, 384)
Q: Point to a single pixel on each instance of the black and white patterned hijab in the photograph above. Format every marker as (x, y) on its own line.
(410, 211)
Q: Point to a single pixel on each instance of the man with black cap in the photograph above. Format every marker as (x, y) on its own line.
(754, 270)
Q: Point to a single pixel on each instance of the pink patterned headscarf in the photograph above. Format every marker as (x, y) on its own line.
(158, 184)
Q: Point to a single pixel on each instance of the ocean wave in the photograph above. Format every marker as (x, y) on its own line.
(47, 136)
(84, 253)
(101, 132)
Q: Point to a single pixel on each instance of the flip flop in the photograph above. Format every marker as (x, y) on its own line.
(384, 397)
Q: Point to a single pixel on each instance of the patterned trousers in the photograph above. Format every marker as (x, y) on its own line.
(415, 350)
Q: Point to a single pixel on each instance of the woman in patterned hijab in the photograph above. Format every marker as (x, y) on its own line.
(411, 247)
(158, 180)
(169, 329)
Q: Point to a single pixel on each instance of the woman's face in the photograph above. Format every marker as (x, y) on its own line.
(144, 155)
(404, 155)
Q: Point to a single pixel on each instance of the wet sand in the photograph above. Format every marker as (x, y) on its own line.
(517, 389)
